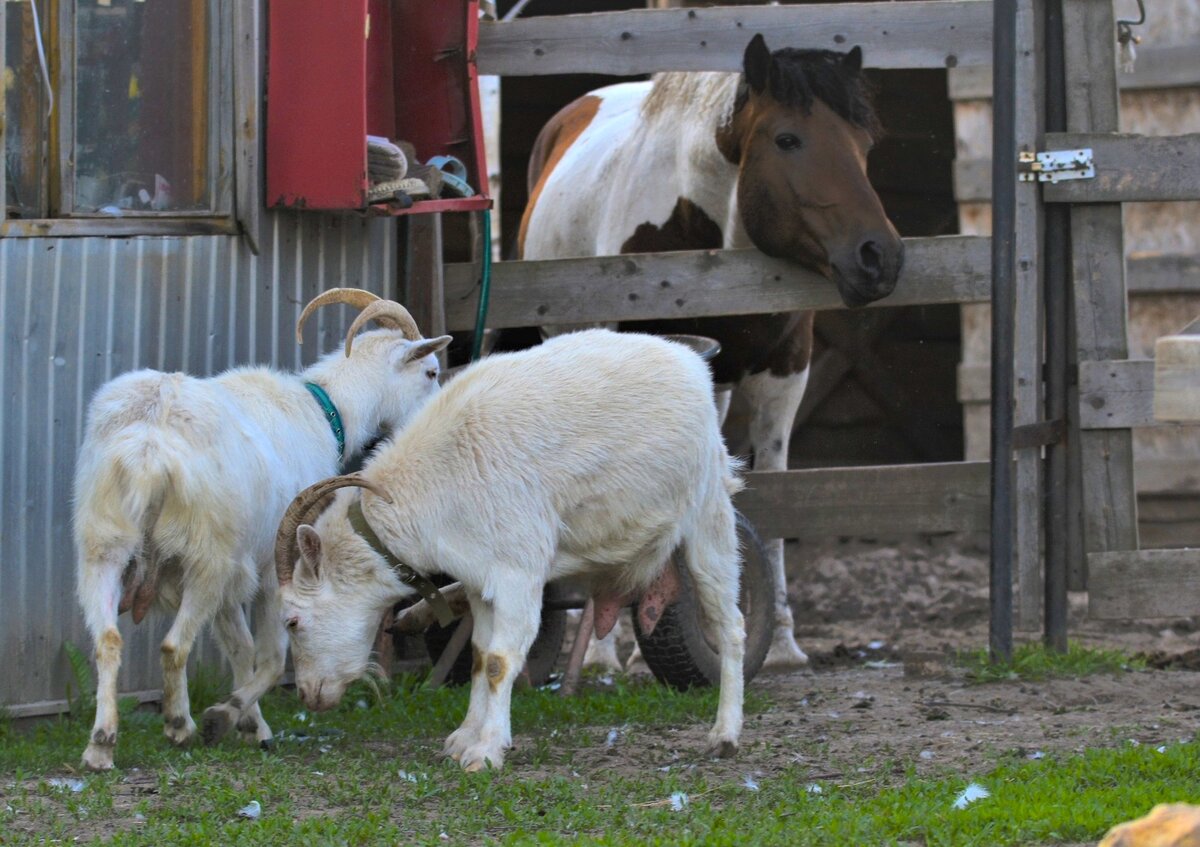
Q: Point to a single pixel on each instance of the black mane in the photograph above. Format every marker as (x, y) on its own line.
(800, 76)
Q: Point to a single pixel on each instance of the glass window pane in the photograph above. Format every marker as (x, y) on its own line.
(25, 110)
(142, 105)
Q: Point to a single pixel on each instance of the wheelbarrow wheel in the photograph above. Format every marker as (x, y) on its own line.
(679, 653)
(542, 655)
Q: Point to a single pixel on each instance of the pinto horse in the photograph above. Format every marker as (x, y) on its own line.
(774, 158)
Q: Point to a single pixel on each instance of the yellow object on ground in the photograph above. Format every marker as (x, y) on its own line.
(1167, 825)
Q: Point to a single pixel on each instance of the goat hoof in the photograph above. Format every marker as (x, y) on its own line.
(180, 730)
(481, 757)
(217, 721)
(253, 731)
(724, 748)
(458, 742)
(98, 757)
(785, 654)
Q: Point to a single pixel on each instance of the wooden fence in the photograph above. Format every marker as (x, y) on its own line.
(942, 33)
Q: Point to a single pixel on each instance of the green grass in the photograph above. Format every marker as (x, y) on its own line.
(1033, 661)
(343, 785)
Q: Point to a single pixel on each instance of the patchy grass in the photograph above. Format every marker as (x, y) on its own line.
(370, 772)
(1033, 661)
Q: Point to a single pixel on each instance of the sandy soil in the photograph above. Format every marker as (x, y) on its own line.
(880, 621)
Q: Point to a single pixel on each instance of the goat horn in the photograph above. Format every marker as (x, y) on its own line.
(388, 314)
(300, 511)
(357, 297)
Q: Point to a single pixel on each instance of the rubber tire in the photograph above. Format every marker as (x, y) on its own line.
(678, 653)
(543, 655)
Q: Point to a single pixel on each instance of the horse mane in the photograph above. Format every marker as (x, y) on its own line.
(697, 92)
(800, 76)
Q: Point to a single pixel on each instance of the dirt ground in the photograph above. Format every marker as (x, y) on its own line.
(879, 621)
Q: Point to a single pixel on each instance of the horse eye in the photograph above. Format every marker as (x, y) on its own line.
(787, 141)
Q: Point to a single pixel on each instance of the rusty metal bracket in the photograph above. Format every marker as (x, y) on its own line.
(1039, 434)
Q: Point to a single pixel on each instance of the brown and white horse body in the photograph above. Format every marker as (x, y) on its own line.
(724, 160)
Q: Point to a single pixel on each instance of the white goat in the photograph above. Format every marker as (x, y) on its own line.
(592, 456)
(181, 482)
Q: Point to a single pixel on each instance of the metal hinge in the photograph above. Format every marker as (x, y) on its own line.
(1055, 165)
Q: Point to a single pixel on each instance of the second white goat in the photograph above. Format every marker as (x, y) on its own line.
(591, 457)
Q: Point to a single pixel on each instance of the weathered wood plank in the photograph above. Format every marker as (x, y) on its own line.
(1116, 394)
(424, 277)
(1130, 168)
(1177, 376)
(699, 283)
(1113, 394)
(1144, 584)
(1162, 273)
(1177, 66)
(247, 116)
(918, 34)
(1027, 329)
(1103, 469)
(973, 180)
(945, 497)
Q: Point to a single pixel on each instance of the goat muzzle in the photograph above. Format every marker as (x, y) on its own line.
(304, 509)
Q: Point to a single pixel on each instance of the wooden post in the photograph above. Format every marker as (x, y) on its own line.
(1027, 361)
(424, 292)
(1105, 466)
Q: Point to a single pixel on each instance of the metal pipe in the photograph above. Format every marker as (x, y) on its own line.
(1056, 282)
(1004, 206)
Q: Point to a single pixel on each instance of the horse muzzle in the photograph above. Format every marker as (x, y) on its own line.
(869, 270)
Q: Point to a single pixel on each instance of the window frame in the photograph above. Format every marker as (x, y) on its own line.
(234, 77)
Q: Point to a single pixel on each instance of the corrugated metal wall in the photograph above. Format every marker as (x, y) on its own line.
(77, 312)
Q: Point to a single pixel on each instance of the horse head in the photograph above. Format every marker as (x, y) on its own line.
(800, 131)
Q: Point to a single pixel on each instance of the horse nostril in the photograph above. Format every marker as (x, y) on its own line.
(870, 259)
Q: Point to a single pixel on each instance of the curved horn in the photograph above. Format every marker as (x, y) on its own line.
(388, 314)
(357, 297)
(300, 511)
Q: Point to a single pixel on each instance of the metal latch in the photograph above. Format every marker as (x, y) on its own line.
(1055, 165)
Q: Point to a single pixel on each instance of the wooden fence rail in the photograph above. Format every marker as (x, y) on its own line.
(946, 497)
(918, 34)
(1128, 168)
(699, 283)
(1177, 66)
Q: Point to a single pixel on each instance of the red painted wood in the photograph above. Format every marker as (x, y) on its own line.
(409, 75)
(437, 95)
(316, 111)
(381, 77)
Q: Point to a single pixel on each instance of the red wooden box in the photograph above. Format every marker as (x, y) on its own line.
(342, 69)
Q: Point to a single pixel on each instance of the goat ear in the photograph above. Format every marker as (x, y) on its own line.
(852, 61)
(756, 62)
(423, 348)
(309, 544)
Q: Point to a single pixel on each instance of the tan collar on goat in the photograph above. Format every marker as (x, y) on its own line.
(407, 575)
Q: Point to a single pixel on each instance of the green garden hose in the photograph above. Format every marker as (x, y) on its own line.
(485, 286)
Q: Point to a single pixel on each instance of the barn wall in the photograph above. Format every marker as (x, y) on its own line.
(1167, 461)
(78, 311)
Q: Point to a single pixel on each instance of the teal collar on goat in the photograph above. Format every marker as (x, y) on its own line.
(331, 415)
(407, 575)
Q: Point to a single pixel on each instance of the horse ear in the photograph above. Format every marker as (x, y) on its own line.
(757, 64)
(852, 61)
